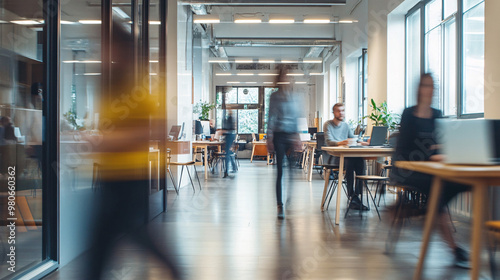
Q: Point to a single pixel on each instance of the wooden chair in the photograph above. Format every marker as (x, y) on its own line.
(182, 164)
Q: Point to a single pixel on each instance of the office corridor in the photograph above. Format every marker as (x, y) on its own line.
(229, 230)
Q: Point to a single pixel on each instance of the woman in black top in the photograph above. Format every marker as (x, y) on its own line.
(417, 142)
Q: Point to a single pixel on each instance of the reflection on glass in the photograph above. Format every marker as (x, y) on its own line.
(248, 121)
(248, 95)
(21, 96)
(473, 34)
(450, 69)
(433, 11)
(412, 57)
(433, 61)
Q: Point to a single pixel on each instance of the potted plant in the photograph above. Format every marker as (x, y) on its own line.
(203, 109)
(381, 116)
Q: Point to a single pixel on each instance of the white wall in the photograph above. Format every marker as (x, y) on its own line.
(179, 72)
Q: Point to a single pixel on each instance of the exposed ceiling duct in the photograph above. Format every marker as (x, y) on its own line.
(267, 42)
(221, 52)
(265, 2)
(199, 9)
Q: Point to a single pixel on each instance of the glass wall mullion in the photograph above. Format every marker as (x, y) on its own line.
(459, 82)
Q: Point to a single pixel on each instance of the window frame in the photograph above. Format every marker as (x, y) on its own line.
(459, 20)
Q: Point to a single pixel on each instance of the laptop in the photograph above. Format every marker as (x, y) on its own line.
(469, 141)
(174, 132)
(378, 138)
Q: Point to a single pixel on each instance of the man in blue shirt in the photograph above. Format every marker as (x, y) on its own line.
(337, 133)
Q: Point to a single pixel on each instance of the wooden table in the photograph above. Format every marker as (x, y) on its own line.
(479, 177)
(344, 152)
(205, 145)
(259, 143)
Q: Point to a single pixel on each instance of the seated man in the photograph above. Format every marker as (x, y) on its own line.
(337, 133)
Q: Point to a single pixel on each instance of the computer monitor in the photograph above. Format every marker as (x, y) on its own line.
(174, 132)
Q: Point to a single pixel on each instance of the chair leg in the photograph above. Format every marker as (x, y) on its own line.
(197, 178)
(180, 178)
(334, 187)
(492, 250)
(373, 199)
(190, 179)
(396, 225)
(173, 182)
(451, 219)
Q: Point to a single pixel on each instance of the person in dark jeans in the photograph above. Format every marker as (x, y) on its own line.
(282, 134)
(229, 136)
(337, 133)
(417, 142)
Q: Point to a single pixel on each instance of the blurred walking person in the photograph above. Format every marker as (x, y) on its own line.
(282, 133)
(229, 128)
(122, 153)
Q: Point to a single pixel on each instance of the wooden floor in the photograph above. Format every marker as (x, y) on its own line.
(229, 230)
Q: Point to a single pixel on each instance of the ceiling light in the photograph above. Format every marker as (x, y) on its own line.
(67, 22)
(223, 74)
(300, 83)
(81, 61)
(3, 21)
(154, 22)
(268, 74)
(295, 74)
(268, 82)
(289, 61)
(316, 74)
(317, 20)
(250, 82)
(153, 61)
(312, 60)
(89, 21)
(267, 61)
(26, 22)
(233, 82)
(91, 74)
(153, 74)
(277, 20)
(206, 19)
(283, 83)
(245, 74)
(347, 21)
(120, 13)
(243, 60)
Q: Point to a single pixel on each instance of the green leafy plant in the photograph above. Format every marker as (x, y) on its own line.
(71, 117)
(381, 116)
(203, 108)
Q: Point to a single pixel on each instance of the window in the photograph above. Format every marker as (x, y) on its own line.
(473, 57)
(459, 76)
(362, 85)
(250, 105)
(413, 43)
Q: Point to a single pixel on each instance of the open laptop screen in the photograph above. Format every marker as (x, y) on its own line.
(379, 136)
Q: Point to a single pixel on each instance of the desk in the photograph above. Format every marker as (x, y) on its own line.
(479, 177)
(344, 152)
(259, 143)
(205, 145)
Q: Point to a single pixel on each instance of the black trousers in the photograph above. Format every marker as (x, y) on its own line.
(283, 143)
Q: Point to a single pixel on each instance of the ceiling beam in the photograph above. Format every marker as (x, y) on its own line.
(270, 42)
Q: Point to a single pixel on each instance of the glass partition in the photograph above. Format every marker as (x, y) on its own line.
(21, 105)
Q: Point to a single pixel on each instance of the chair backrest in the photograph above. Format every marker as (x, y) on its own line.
(320, 140)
